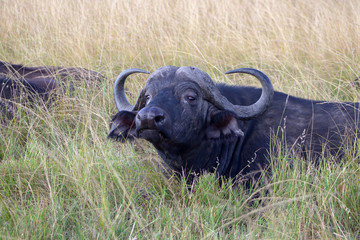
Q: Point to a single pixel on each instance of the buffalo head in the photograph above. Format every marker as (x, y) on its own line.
(180, 109)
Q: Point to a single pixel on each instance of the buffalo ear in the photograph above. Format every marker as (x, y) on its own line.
(123, 126)
(222, 124)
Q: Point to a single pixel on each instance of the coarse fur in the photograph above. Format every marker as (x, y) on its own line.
(192, 135)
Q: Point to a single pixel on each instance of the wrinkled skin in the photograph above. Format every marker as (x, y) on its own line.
(192, 135)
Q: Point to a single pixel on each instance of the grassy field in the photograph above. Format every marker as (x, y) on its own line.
(61, 178)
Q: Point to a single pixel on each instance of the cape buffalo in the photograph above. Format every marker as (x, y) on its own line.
(38, 83)
(15, 90)
(49, 76)
(196, 125)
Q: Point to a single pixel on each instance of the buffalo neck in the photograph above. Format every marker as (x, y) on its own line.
(211, 155)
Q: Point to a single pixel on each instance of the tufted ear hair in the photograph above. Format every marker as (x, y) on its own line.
(122, 126)
(223, 123)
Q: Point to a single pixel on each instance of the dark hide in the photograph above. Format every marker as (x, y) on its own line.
(21, 91)
(31, 84)
(192, 135)
(50, 76)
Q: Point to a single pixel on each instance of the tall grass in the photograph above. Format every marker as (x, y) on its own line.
(61, 178)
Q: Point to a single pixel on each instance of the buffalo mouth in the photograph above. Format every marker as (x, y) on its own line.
(151, 134)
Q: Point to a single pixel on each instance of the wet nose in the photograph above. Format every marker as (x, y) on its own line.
(150, 117)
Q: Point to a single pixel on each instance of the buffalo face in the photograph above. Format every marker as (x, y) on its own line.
(179, 109)
(180, 116)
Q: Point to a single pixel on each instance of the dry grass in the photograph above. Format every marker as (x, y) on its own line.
(293, 41)
(313, 36)
(60, 177)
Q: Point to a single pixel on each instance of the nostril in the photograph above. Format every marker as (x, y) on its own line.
(159, 118)
(151, 117)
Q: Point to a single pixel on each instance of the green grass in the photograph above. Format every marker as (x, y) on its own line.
(61, 178)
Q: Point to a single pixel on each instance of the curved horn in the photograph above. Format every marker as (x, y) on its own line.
(213, 95)
(121, 101)
(260, 105)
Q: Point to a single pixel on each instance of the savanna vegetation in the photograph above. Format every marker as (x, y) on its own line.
(61, 178)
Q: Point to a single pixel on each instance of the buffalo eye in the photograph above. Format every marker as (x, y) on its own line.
(147, 98)
(190, 98)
